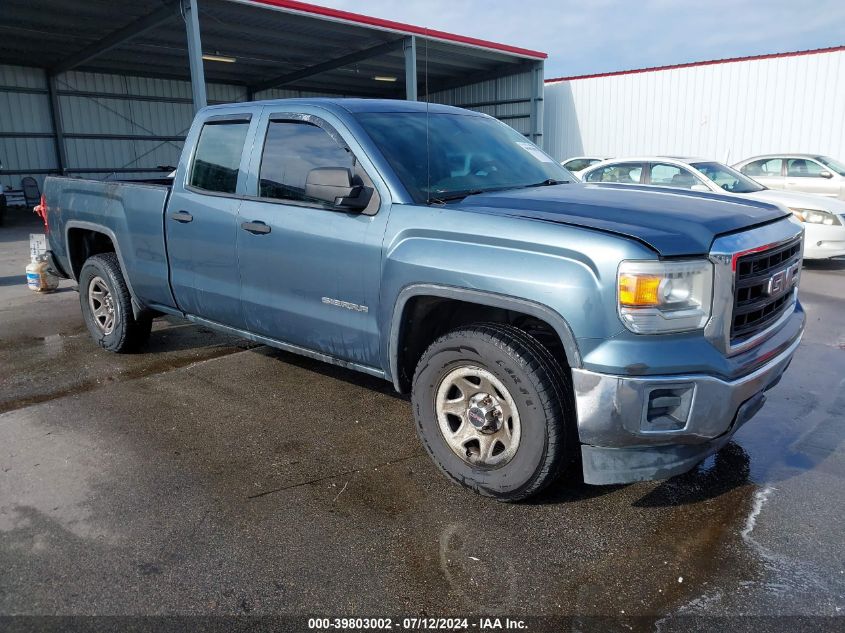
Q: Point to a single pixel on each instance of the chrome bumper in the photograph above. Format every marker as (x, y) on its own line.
(619, 446)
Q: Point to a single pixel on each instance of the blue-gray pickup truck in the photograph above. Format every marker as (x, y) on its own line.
(531, 320)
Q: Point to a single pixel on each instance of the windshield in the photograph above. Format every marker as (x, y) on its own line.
(834, 165)
(467, 154)
(727, 178)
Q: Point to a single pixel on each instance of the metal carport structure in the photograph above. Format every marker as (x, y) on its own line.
(85, 84)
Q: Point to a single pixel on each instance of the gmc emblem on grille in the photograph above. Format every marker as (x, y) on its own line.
(777, 283)
(783, 280)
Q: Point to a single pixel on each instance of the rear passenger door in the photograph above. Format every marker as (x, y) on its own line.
(201, 219)
(309, 271)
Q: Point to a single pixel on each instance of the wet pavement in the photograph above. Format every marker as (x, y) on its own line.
(210, 476)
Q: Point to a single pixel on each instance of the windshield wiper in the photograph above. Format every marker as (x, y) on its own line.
(460, 195)
(547, 183)
(455, 195)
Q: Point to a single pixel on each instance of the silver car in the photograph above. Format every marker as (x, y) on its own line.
(807, 173)
(823, 218)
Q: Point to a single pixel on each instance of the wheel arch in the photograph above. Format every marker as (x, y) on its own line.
(84, 239)
(403, 347)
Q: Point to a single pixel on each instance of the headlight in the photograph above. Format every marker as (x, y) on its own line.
(671, 296)
(816, 216)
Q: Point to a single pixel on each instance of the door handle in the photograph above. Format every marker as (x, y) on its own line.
(256, 228)
(182, 216)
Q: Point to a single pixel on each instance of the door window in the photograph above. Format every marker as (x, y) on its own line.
(803, 168)
(630, 173)
(291, 150)
(217, 158)
(767, 168)
(664, 175)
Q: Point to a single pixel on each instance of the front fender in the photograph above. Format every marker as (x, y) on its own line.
(563, 275)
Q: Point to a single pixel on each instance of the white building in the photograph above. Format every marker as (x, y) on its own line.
(725, 109)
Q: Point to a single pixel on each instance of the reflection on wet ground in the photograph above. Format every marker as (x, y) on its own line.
(209, 476)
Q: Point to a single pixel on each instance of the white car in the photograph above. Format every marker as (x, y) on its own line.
(823, 218)
(577, 164)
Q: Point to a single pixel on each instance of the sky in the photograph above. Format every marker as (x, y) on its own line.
(594, 36)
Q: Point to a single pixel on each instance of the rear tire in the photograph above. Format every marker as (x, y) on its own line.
(492, 407)
(107, 306)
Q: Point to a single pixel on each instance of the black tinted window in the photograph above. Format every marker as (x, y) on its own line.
(291, 150)
(218, 156)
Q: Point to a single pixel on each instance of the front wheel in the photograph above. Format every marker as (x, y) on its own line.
(107, 306)
(492, 406)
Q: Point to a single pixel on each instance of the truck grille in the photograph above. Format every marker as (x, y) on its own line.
(763, 288)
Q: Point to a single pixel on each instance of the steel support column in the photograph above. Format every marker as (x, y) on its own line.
(58, 129)
(410, 47)
(537, 88)
(192, 26)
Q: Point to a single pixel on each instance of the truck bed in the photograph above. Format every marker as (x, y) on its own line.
(131, 213)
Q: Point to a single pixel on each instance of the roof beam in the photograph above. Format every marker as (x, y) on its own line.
(332, 64)
(119, 37)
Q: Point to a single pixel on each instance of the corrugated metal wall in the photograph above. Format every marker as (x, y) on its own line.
(111, 123)
(25, 128)
(115, 125)
(725, 111)
(506, 98)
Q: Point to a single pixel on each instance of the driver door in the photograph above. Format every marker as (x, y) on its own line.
(805, 174)
(309, 271)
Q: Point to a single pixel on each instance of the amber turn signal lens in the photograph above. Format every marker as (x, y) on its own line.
(638, 290)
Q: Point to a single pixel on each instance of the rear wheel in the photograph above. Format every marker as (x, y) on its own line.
(107, 306)
(492, 406)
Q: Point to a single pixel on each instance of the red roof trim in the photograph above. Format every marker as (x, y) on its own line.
(711, 62)
(348, 16)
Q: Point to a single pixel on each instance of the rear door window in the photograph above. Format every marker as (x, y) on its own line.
(628, 173)
(767, 167)
(217, 158)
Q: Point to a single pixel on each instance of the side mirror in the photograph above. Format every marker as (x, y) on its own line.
(825, 174)
(336, 186)
(703, 188)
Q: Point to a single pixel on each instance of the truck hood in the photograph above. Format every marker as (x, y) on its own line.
(672, 222)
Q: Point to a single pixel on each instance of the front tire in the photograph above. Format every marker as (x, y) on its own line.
(107, 306)
(492, 407)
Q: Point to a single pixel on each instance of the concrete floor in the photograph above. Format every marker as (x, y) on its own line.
(210, 476)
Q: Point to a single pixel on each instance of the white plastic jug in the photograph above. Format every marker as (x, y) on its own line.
(39, 277)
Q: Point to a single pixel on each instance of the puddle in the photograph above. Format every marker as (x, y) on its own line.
(58, 365)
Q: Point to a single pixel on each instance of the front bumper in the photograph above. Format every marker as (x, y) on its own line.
(824, 242)
(623, 442)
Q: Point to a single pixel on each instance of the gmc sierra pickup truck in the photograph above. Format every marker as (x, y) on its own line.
(437, 248)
